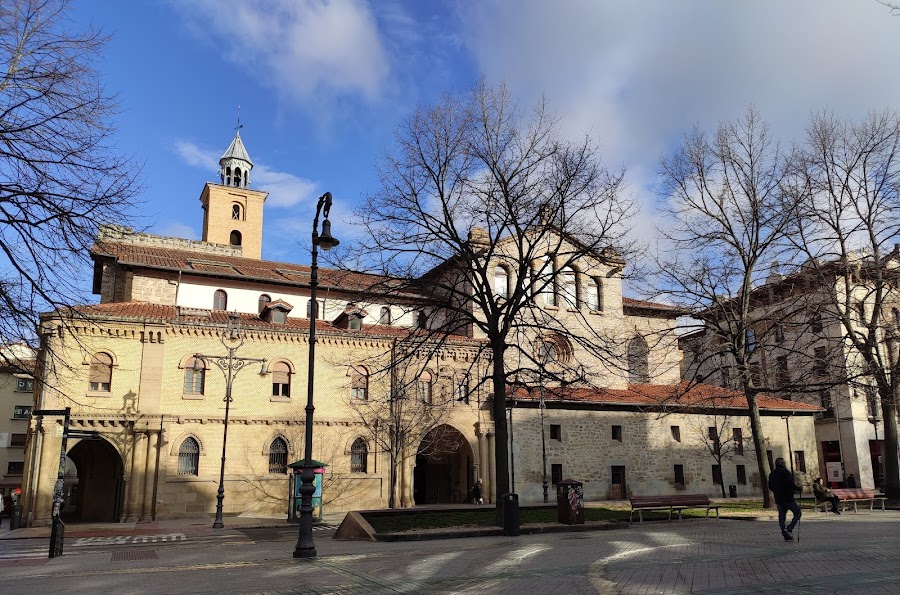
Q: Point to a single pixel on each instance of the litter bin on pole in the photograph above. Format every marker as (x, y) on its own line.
(511, 514)
(570, 502)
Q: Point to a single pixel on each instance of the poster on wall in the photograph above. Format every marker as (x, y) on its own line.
(834, 471)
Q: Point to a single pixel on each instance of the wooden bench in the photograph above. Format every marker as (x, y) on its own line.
(854, 496)
(670, 503)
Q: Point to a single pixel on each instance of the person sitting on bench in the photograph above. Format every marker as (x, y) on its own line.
(823, 494)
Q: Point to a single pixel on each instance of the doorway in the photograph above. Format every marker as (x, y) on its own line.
(95, 485)
(444, 463)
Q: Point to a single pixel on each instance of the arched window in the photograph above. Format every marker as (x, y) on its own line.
(385, 316)
(421, 320)
(100, 376)
(309, 307)
(501, 282)
(220, 300)
(359, 455)
(594, 294)
(228, 176)
(264, 300)
(547, 282)
(359, 383)
(278, 456)
(237, 177)
(461, 390)
(281, 380)
(236, 212)
(235, 238)
(189, 457)
(423, 386)
(638, 361)
(194, 376)
(568, 287)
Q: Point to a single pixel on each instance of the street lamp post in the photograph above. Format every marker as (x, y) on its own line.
(787, 425)
(230, 365)
(542, 406)
(305, 547)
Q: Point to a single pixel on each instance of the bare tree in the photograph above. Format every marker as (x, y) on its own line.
(482, 208)
(60, 175)
(388, 405)
(719, 439)
(727, 221)
(847, 189)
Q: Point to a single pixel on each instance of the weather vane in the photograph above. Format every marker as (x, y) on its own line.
(239, 125)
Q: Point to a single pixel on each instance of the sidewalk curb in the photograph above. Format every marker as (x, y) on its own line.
(497, 532)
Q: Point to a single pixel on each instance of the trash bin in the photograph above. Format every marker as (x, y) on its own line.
(16, 517)
(732, 491)
(511, 514)
(570, 502)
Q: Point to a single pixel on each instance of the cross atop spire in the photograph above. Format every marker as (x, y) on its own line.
(239, 125)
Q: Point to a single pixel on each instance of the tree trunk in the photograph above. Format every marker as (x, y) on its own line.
(501, 448)
(891, 462)
(762, 463)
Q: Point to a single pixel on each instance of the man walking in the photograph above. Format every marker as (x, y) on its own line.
(781, 482)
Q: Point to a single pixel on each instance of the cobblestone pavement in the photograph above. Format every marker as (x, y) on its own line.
(854, 553)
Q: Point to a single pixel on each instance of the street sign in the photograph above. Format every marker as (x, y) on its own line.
(49, 412)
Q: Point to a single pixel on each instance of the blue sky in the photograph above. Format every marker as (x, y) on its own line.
(323, 84)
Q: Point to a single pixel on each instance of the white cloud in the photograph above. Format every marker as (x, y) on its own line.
(299, 47)
(285, 190)
(176, 229)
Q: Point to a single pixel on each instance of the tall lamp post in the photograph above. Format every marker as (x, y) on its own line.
(230, 365)
(542, 406)
(787, 425)
(305, 547)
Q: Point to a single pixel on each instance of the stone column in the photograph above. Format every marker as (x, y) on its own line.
(135, 478)
(150, 476)
(49, 466)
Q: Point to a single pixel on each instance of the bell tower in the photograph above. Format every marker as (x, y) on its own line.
(232, 212)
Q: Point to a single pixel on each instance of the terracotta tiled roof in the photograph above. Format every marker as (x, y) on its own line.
(236, 267)
(656, 395)
(171, 314)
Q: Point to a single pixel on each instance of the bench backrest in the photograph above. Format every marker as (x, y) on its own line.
(678, 500)
(853, 493)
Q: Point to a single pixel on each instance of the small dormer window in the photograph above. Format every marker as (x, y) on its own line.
(355, 322)
(279, 316)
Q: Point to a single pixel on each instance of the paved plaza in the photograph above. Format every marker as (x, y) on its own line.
(854, 553)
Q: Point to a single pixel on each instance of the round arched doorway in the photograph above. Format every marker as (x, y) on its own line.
(97, 490)
(443, 473)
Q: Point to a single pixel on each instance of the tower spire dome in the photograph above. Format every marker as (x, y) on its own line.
(235, 164)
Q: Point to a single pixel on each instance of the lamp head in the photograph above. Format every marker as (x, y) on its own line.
(326, 241)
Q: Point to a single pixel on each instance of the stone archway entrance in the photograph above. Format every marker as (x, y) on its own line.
(443, 473)
(98, 488)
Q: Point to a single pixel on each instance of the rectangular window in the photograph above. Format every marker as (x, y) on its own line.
(679, 475)
(22, 411)
(726, 376)
(741, 475)
(825, 401)
(17, 440)
(779, 333)
(24, 385)
(462, 390)
(555, 473)
(872, 402)
(617, 433)
(820, 365)
(617, 473)
(194, 381)
(782, 375)
(799, 461)
(676, 433)
(738, 437)
(815, 323)
(556, 432)
(15, 468)
(713, 436)
(717, 474)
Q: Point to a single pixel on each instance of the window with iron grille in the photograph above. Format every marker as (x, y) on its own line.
(278, 456)
(738, 437)
(195, 377)
(100, 375)
(359, 456)
(555, 473)
(281, 380)
(189, 457)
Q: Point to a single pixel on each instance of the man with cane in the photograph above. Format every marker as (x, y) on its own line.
(781, 483)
